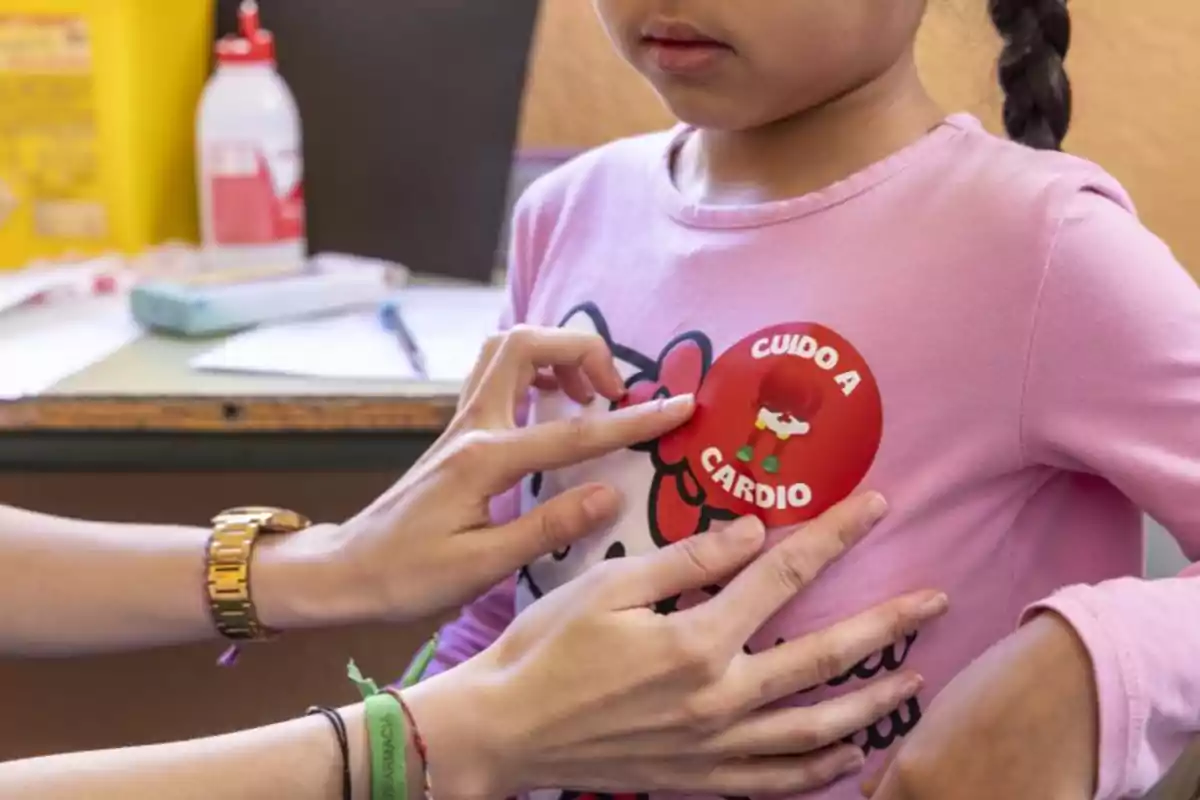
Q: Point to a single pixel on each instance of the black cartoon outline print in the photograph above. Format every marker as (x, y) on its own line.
(884, 733)
(669, 476)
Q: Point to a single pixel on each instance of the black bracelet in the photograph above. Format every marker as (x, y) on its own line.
(339, 728)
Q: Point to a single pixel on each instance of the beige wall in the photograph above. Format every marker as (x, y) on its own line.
(1136, 66)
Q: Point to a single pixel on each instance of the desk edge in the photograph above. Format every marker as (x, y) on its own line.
(227, 414)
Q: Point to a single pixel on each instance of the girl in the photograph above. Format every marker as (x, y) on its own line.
(996, 344)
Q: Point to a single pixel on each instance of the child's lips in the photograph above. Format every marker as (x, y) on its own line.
(681, 48)
(685, 56)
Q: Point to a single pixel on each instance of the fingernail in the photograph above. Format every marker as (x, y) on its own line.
(912, 684)
(601, 503)
(934, 605)
(746, 531)
(855, 761)
(680, 402)
(877, 508)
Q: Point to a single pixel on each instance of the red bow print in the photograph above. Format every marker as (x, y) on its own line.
(676, 500)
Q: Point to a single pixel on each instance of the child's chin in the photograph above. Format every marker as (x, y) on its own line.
(700, 107)
(708, 108)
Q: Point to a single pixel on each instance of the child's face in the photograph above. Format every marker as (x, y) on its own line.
(738, 64)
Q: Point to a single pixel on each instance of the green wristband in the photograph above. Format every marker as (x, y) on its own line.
(420, 665)
(388, 731)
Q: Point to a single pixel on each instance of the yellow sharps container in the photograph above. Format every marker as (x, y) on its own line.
(97, 117)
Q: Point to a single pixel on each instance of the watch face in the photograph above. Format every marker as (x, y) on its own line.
(268, 518)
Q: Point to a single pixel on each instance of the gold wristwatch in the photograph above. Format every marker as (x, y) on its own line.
(228, 566)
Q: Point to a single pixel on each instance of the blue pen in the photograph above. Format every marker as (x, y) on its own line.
(393, 320)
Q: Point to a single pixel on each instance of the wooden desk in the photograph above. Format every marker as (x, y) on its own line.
(144, 408)
(142, 438)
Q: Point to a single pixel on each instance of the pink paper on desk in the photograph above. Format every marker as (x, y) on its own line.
(19, 287)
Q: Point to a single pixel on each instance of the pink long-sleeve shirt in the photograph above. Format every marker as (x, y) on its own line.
(984, 333)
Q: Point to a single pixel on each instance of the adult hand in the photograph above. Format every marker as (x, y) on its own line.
(590, 689)
(428, 544)
(1019, 722)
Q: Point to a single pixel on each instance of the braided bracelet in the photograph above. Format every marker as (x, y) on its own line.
(343, 738)
(418, 742)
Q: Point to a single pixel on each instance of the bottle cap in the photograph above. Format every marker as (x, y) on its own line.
(253, 46)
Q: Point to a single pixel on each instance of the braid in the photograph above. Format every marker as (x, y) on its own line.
(1037, 103)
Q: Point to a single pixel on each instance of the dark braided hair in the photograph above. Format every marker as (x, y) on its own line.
(1037, 102)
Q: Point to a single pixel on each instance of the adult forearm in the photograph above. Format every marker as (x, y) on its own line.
(72, 587)
(299, 760)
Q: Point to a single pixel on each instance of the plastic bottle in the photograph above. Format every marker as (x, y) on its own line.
(251, 171)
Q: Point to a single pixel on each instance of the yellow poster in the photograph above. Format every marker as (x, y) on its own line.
(49, 137)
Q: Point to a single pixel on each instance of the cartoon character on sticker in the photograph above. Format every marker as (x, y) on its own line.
(788, 402)
(788, 423)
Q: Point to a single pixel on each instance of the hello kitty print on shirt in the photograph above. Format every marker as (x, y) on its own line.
(788, 422)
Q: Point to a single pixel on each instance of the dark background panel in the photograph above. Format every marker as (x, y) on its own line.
(410, 111)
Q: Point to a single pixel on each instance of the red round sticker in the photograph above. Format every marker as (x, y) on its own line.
(788, 423)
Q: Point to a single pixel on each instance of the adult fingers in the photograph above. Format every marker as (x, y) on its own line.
(572, 383)
(693, 563)
(550, 527)
(546, 382)
(523, 351)
(483, 363)
(819, 657)
(575, 384)
(563, 443)
(810, 728)
(769, 583)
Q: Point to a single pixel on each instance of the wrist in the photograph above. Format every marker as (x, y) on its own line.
(302, 580)
(463, 729)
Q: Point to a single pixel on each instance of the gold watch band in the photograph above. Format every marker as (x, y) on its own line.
(230, 549)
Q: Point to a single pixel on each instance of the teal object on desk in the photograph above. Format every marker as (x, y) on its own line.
(210, 308)
(185, 311)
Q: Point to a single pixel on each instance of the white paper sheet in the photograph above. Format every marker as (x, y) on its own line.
(44, 345)
(450, 326)
(350, 347)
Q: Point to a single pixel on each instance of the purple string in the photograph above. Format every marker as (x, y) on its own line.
(229, 657)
